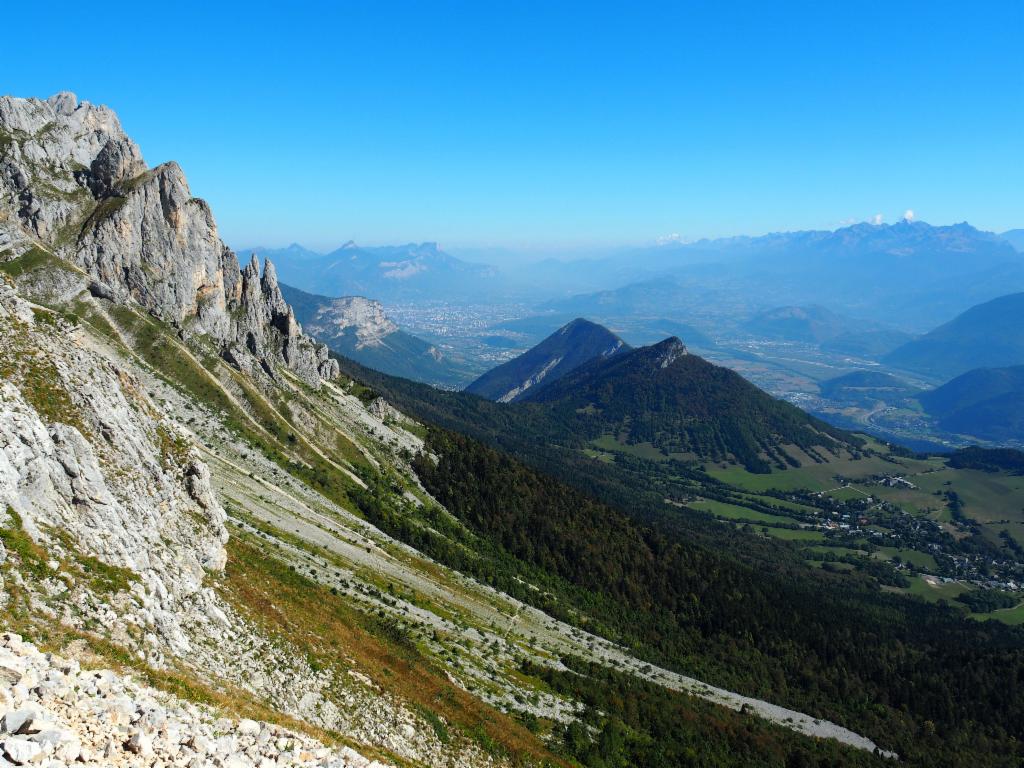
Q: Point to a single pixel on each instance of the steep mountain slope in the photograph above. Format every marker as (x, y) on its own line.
(989, 335)
(74, 181)
(572, 345)
(358, 328)
(192, 494)
(987, 403)
(388, 273)
(561, 530)
(680, 403)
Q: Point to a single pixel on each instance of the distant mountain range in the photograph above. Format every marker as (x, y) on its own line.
(387, 273)
(358, 328)
(987, 403)
(1014, 237)
(989, 335)
(910, 273)
(572, 345)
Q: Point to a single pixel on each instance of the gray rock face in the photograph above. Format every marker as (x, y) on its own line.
(72, 180)
(101, 466)
(364, 316)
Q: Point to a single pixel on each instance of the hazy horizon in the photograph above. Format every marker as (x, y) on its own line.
(570, 251)
(576, 126)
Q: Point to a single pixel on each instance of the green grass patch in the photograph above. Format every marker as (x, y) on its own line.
(934, 591)
(31, 557)
(734, 512)
(912, 556)
(795, 534)
(32, 260)
(1013, 616)
(641, 450)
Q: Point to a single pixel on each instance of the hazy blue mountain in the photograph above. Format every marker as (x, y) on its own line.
(872, 343)
(1014, 237)
(862, 386)
(811, 324)
(909, 274)
(293, 252)
(829, 330)
(388, 273)
(652, 298)
(358, 328)
(987, 403)
(567, 348)
(990, 335)
(535, 327)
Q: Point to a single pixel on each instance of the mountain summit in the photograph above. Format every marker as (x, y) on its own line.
(682, 404)
(414, 271)
(572, 345)
(73, 183)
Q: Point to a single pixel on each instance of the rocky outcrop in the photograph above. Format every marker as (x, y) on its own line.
(54, 713)
(90, 468)
(365, 317)
(264, 323)
(72, 180)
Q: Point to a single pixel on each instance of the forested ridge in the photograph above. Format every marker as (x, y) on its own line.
(684, 405)
(915, 677)
(733, 609)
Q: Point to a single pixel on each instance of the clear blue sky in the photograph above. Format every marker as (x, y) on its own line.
(523, 123)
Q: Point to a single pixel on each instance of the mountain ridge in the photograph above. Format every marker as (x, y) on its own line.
(575, 343)
(138, 234)
(986, 403)
(985, 336)
(682, 404)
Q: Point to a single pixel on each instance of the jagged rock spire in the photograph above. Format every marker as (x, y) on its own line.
(146, 239)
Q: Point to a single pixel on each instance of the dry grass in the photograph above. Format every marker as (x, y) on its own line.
(334, 635)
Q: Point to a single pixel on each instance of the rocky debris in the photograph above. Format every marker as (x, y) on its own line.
(383, 410)
(74, 181)
(56, 714)
(98, 465)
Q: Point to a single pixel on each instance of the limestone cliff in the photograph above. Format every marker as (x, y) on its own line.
(88, 465)
(72, 181)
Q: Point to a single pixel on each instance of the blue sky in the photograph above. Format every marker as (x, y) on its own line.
(553, 124)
